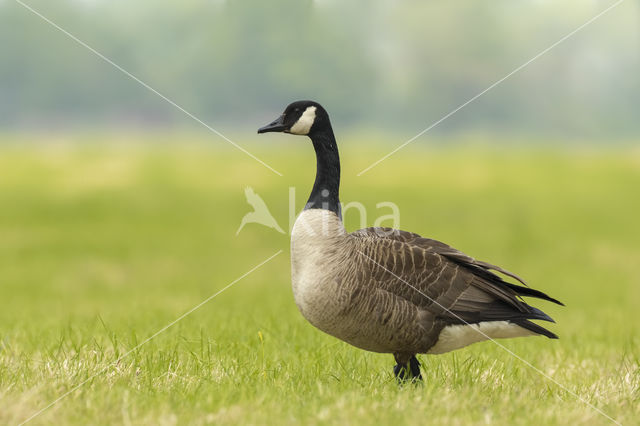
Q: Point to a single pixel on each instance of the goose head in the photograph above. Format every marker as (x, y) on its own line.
(299, 118)
(308, 118)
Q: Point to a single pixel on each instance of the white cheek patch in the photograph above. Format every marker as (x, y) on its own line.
(304, 123)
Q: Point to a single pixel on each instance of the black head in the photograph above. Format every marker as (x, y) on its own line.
(299, 118)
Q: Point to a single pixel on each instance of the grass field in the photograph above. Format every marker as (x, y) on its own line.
(101, 247)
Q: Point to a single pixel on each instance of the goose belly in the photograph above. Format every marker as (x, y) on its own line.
(313, 266)
(317, 299)
(329, 306)
(317, 254)
(332, 306)
(337, 310)
(323, 288)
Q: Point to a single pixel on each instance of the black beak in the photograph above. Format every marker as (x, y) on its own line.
(275, 126)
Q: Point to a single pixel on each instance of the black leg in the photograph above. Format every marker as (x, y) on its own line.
(414, 366)
(407, 368)
(400, 371)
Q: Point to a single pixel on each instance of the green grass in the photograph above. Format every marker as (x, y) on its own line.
(101, 247)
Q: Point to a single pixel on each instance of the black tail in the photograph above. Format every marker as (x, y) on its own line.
(497, 310)
(535, 328)
(530, 292)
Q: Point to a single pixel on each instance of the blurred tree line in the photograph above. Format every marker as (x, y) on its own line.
(385, 65)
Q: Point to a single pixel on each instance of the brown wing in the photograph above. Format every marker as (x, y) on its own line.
(446, 282)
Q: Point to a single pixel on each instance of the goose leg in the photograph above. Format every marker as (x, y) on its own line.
(407, 368)
(414, 367)
(400, 371)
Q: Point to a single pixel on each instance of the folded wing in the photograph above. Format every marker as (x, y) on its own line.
(456, 288)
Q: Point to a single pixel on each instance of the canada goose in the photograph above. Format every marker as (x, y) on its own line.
(386, 290)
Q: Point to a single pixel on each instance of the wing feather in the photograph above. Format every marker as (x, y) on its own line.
(448, 283)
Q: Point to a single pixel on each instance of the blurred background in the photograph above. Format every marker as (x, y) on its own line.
(119, 212)
(376, 65)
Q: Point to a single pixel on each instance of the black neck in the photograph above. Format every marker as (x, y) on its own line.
(325, 192)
